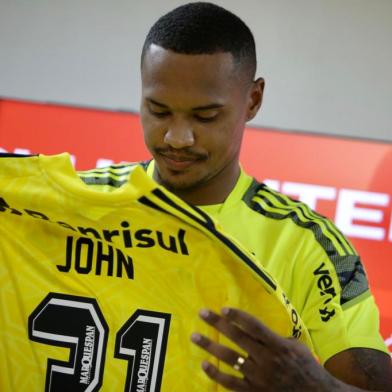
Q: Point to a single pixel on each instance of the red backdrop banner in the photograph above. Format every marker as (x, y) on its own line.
(348, 180)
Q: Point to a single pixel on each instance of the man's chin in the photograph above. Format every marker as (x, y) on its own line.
(173, 185)
(178, 183)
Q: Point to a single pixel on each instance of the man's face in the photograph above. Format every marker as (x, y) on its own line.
(193, 112)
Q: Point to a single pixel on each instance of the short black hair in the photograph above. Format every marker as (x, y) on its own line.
(204, 28)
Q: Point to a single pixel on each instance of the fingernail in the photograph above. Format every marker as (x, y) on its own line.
(204, 313)
(195, 337)
(225, 311)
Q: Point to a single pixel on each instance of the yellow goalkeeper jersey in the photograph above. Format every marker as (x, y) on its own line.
(101, 290)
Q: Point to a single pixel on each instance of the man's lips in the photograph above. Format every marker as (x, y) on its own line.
(179, 162)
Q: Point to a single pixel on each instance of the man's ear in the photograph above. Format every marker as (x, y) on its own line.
(255, 98)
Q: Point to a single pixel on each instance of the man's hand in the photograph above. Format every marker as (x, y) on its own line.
(272, 363)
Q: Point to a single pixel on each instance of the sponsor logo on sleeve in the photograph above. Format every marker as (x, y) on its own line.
(327, 291)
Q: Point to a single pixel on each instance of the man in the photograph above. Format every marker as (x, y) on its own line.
(198, 91)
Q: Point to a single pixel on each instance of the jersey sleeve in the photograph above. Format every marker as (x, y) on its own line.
(335, 300)
(320, 270)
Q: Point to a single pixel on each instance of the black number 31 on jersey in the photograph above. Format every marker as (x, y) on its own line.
(78, 323)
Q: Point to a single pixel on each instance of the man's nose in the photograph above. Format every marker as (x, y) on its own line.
(179, 135)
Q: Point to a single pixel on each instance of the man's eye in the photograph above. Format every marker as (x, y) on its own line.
(205, 118)
(159, 114)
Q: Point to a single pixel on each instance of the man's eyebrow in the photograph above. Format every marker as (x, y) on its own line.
(197, 108)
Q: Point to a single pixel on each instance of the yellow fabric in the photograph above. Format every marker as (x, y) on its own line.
(298, 261)
(84, 268)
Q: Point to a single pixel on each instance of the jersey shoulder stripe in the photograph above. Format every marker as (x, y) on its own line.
(200, 218)
(12, 155)
(114, 175)
(344, 258)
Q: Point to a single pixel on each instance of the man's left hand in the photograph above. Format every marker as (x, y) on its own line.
(272, 363)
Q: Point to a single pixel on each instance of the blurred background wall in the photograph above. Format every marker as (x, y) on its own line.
(327, 63)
